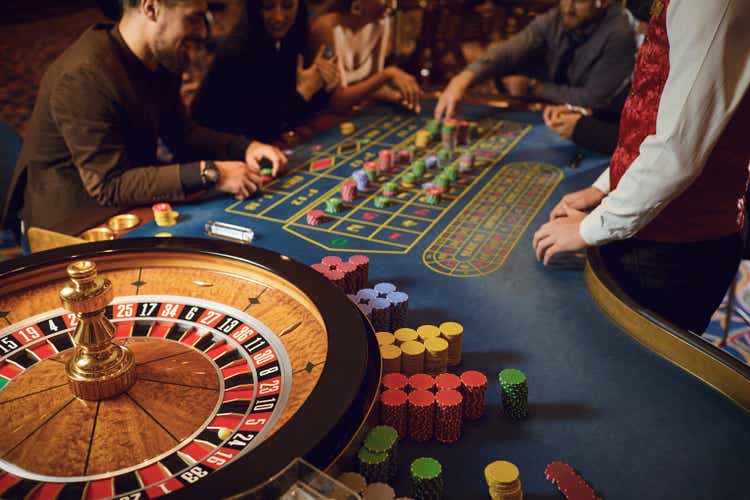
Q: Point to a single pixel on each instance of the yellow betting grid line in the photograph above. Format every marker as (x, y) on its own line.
(339, 233)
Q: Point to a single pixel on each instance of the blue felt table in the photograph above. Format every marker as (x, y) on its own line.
(636, 426)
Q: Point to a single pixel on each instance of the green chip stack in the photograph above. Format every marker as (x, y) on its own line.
(444, 156)
(372, 174)
(382, 439)
(333, 205)
(390, 188)
(451, 173)
(408, 180)
(266, 171)
(515, 393)
(373, 466)
(417, 168)
(442, 181)
(433, 127)
(382, 201)
(426, 479)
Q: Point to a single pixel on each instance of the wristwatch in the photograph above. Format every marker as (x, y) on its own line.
(533, 84)
(209, 174)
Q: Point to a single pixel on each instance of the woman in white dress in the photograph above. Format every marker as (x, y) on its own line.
(358, 33)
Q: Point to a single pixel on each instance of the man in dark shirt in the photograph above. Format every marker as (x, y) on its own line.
(102, 106)
(581, 53)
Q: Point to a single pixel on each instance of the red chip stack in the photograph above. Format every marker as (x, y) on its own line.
(448, 417)
(385, 159)
(349, 190)
(446, 381)
(421, 415)
(336, 277)
(363, 268)
(475, 387)
(394, 410)
(421, 382)
(350, 278)
(395, 381)
(331, 261)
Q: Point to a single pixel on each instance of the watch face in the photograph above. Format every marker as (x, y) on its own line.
(211, 173)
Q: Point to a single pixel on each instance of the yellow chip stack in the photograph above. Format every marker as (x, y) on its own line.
(347, 128)
(405, 335)
(413, 357)
(454, 333)
(391, 355)
(427, 332)
(436, 356)
(422, 139)
(385, 338)
(164, 215)
(503, 481)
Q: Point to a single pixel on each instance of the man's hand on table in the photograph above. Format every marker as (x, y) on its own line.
(559, 235)
(585, 199)
(256, 151)
(238, 178)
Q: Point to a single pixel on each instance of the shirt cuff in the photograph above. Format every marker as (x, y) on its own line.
(602, 182)
(190, 177)
(593, 231)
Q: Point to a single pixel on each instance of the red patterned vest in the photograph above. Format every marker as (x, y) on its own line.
(712, 207)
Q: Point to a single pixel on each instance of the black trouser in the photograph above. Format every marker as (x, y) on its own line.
(682, 282)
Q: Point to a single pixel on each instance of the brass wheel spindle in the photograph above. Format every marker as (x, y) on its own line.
(99, 368)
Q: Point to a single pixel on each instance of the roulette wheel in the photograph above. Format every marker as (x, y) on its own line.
(185, 367)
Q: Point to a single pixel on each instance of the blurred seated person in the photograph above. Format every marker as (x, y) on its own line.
(597, 129)
(581, 52)
(258, 84)
(90, 150)
(358, 31)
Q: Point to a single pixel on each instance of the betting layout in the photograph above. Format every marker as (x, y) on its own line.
(365, 224)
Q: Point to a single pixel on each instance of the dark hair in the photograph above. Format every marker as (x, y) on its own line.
(250, 31)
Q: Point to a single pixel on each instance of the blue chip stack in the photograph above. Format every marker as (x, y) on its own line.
(363, 182)
(381, 315)
(399, 309)
(431, 162)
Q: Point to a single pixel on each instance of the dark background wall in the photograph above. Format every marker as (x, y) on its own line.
(14, 11)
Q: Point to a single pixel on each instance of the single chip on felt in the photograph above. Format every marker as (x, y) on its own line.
(569, 482)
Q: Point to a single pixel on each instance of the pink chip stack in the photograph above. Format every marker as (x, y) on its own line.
(350, 276)
(363, 269)
(316, 217)
(394, 410)
(385, 160)
(349, 190)
(448, 417)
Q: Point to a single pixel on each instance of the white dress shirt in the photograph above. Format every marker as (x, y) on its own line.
(709, 73)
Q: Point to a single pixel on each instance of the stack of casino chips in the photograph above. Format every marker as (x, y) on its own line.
(453, 332)
(433, 127)
(412, 357)
(266, 175)
(418, 168)
(316, 217)
(442, 183)
(436, 355)
(408, 180)
(503, 481)
(350, 276)
(381, 440)
(433, 196)
(421, 412)
(380, 313)
(402, 335)
(372, 465)
(463, 132)
(382, 201)
(448, 381)
(444, 156)
(515, 393)
(378, 491)
(390, 188)
(449, 133)
(385, 157)
(394, 410)
(334, 205)
(392, 358)
(347, 128)
(371, 170)
(422, 139)
(349, 189)
(426, 479)
(164, 215)
(448, 418)
(361, 180)
(451, 173)
(421, 382)
(355, 482)
(385, 338)
(466, 162)
(430, 162)
(404, 156)
(399, 309)
(395, 381)
(474, 389)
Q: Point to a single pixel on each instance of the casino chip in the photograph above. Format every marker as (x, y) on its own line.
(333, 205)
(426, 479)
(384, 439)
(474, 390)
(391, 355)
(422, 382)
(356, 482)
(378, 491)
(448, 419)
(397, 381)
(421, 412)
(413, 357)
(347, 128)
(394, 410)
(503, 480)
(515, 393)
(385, 338)
(405, 335)
(569, 482)
(453, 332)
